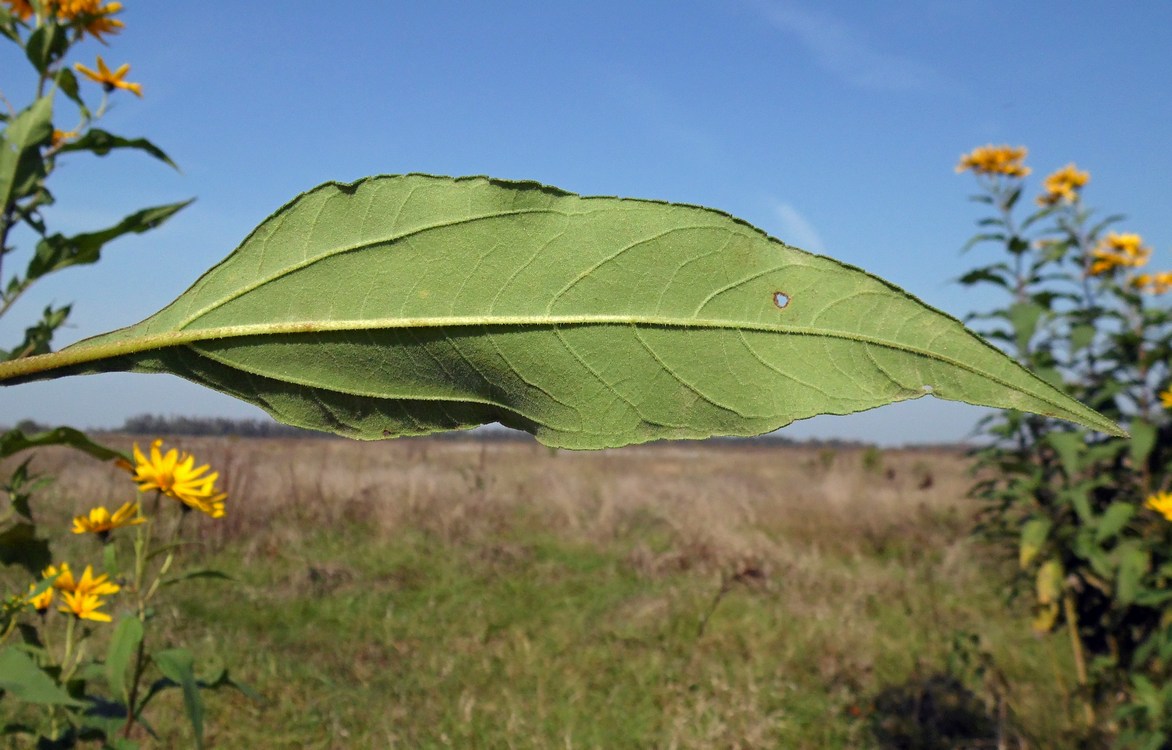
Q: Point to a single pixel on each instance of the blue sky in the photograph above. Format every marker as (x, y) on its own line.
(834, 126)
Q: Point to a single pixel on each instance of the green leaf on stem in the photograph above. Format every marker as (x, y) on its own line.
(1134, 562)
(194, 574)
(21, 164)
(46, 45)
(15, 441)
(67, 83)
(178, 665)
(58, 251)
(100, 142)
(24, 680)
(123, 648)
(1069, 446)
(1143, 439)
(1113, 520)
(1081, 336)
(1025, 316)
(1033, 535)
(404, 305)
(39, 336)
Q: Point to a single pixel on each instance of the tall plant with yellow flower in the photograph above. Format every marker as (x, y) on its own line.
(49, 631)
(1088, 517)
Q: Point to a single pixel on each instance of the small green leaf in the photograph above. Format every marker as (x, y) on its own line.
(225, 680)
(1134, 562)
(1069, 446)
(46, 45)
(193, 574)
(1049, 582)
(1081, 337)
(123, 648)
(403, 305)
(1113, 520)
(25, 681)
(20, 157)
(39, 336)
(1025, 316)
(178, 665)
(58, 251)
(15, 441)
(1033, 535)
(67, 83)
(100, 142)
(1143, 439)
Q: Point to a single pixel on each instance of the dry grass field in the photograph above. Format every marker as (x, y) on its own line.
(464, 593)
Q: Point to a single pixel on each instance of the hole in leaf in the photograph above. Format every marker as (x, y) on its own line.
(781, 299)
(928, 389)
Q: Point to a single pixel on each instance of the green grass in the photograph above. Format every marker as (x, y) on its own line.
(539, 642)
(510, 623)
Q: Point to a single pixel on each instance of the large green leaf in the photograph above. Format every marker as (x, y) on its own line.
(403, 305)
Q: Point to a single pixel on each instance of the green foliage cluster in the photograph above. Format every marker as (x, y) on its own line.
(1084, 513)
(57, 687)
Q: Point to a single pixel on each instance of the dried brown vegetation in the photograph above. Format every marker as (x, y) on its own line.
(791, 581)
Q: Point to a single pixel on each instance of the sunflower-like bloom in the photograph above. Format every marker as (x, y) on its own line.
(176, 475)
(83, 606)
(995, 160)
(64, 577)
(1166, 397)
(110, 80)
(42, 601)
(1116, 250)
(1161, 502)
(22, 9)
(89, 584)
(1063, 185)
(101, 522)
(1153, 283)
(93, 16)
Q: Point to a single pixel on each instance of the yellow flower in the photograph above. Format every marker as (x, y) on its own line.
(42, 600)
(991, 160)
(176, 475)
(1157, 283)
(1166, 397)
(83, 606)
(98, 21)
(110, 80)
(1117, 250)
(92, 16)
(20, 8)
(60, 137)
(100, 586)
(1161, 502)
(64, 576)
(100, 522)
(1063, 185)
(87, 584)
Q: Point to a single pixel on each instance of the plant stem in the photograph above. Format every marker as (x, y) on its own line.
(1080, 662)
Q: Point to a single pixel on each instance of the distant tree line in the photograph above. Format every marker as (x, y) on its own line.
(157, 424)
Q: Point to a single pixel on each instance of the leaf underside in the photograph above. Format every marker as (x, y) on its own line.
(404, 305)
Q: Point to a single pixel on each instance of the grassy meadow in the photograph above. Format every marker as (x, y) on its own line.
(469, 594)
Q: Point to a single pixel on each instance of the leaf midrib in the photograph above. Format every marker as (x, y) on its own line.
(82, 353)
